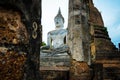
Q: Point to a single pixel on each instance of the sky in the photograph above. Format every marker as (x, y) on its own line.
(110, 10)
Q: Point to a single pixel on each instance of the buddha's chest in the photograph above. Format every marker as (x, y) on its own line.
(58, 34)
(58, 37)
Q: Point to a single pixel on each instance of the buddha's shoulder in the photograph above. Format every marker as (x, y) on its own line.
(57, 31)
(51, 31)
(64, 29)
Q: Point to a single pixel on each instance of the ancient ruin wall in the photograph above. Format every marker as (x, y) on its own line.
(20, 21)
(12, 32)
(100, 37)
(79, 39)
(95, 16)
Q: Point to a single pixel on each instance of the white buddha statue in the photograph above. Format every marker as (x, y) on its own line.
(57, 37)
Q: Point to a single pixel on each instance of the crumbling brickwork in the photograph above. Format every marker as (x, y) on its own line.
(12, 30)
(20, 35)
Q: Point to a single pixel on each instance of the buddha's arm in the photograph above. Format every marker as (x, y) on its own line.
(66, 36)
(49, 42)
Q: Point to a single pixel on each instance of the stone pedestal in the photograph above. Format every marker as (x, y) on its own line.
(54, 60)
(54, 75)
(54, 66)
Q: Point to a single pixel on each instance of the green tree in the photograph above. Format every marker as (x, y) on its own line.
(43, 44)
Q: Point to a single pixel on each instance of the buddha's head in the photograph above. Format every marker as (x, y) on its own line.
(59, 20)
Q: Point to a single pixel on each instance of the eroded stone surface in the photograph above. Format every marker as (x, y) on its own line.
(79, 71)
(101, 41)
(79, 40)
(54, 75)
(22, 15)
(78, 31)
(103, 51)
(94, 15)
(11, 65)
(12, 30)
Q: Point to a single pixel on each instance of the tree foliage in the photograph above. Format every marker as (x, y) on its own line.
(43, 44)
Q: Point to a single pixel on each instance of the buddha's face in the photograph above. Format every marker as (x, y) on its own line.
(59, 23)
